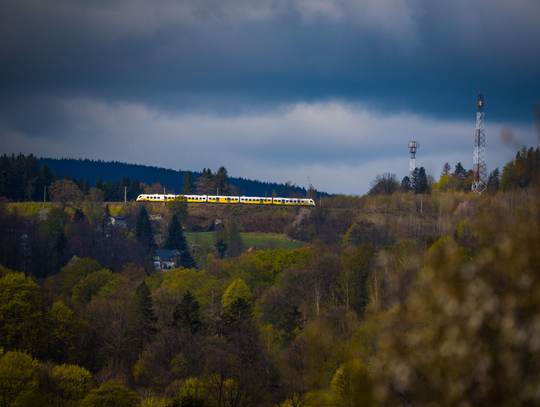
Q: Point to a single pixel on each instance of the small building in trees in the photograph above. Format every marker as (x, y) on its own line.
(118, 222)
(166, 259)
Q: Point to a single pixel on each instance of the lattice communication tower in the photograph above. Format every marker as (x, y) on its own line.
(479, 167)
(413, 146)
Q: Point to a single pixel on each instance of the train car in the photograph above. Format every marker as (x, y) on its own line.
(255, 200)
(155, 197)
(195, 198)
(307, 202)
(227, 199)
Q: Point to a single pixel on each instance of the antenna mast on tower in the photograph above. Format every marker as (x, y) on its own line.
(413, 146)
(479, 166)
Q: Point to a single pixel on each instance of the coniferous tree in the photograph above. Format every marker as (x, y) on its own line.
(205, 183)
(221, 181)
(290, 322)
(186, 260)
(493, 181)
(446, 169)
(142, 328)
(188, 187)
(237, 312)
(460, 172)
(234, 240)
(175, 236)
(406, 184)
(188, 313)
(419, 181)
(86, 186)
(143, 229)
(99, 184)
(221, 247)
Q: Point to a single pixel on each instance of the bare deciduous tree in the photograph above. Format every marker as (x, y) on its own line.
(385, 184)
(65, 192)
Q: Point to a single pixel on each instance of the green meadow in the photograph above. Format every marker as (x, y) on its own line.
(259, 240)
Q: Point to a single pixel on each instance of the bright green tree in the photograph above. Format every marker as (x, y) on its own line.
(74, 382)
(75, 271)
(178, 207)
(354, 276)
(20, 315)
(61, 327)
(352, 385)
(90, 285)
(237, 289)
(110, 394)
(18, 377)
(353, 235)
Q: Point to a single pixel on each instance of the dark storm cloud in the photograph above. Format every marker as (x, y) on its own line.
(273, 89)
(422, 56)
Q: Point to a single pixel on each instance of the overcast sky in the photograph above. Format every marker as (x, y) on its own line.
(274, 90)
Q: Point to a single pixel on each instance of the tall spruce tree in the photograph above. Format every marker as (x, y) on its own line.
(221, 181)
(186, 260)
(493, 181)
(460, 172)
(406, 184)
(175, 236)
(419, 181)
(143, 327)
(188, 187)
(143, 229)
(188, 313)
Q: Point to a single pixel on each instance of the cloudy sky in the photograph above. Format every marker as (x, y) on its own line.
(274, 90)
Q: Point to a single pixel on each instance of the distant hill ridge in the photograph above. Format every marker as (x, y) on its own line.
(171, 179)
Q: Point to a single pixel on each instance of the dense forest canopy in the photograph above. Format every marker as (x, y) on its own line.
(418, 293)
(171, 179)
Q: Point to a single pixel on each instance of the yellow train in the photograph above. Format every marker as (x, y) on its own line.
(216, 199)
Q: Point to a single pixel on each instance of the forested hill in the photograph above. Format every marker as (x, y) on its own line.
(169, 178)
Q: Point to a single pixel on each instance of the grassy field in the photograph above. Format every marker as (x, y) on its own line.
(260, 240)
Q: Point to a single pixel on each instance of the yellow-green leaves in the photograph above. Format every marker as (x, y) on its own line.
(18, 377)
(74, 382)
(19, 312)
(237, 289)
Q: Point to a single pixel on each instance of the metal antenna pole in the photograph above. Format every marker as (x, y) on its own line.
(413, 146)
(479, 166)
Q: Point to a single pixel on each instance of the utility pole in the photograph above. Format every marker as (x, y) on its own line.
(479, 165)
(45, 194)
(125, 193)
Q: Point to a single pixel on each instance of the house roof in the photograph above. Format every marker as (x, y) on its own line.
(166, 255)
